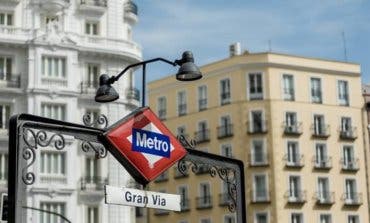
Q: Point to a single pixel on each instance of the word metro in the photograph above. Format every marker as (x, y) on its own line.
(151, 143)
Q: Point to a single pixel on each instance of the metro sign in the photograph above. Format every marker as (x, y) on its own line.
(143, 145)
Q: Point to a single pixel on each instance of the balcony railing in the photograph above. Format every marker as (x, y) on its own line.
(162, 113)
(322, 163)
(350, 165)
(224, 199)
(185, 204)
(292, 129)
(321, 131)
(162, 177)
(348, 134)
(88, 87)
(258, 160)
(295, 161)
(93, 183)
(352, 199)
(53, 179)
(202, 104)
(316, 96)
(225, 98)
(182, 109)
(325, 198)
(131, 7)
(297, 197)
(258, 196)
(99, 3)
(259, 127)
(202, 136)
(10, 80)
(225, 131)
(133, 94)
(204, 202)
(179, 174)
(289, 94)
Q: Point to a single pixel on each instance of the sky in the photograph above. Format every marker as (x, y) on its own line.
(313, 28)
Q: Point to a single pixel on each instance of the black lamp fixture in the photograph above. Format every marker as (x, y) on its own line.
(188, 71)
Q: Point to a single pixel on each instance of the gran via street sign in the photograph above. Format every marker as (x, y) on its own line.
(142, 198)
(143, 145)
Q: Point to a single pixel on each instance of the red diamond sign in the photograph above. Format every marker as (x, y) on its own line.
(143, 145)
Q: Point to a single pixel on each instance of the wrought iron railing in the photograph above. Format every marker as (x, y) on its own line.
(322, 163)
(348, 134)
(320, 131)
(352, 199)
(294, 161)
(225, 131)
(10, 80)
(202, 104)
(258, 159)
(350, 164)
(296, 196)
(292, 129)
(182, 109)
(325, 197)
(93, 183)
(202, 136)
(257, 127)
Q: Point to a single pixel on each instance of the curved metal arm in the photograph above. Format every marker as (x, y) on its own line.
(115, 78)
(49, 212)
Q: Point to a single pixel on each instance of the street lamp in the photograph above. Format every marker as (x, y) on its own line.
(188, 71)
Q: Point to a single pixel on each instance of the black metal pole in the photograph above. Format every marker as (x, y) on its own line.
(143, 91)
(13, 169)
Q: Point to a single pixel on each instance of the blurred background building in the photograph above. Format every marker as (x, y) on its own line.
(51, 55)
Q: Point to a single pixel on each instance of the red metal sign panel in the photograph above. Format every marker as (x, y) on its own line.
(146, 143)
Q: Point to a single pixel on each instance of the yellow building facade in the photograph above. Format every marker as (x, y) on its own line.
(294, 121)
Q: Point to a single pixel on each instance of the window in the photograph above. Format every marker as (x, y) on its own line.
(52, 207)
(55, 111)
(202, 134)
(3, 167)
(184, 193)
(295, 188)
(226, 150)
(325, 218)
(349, 161)
(53, 163)
(255, 86)
(319, 125)
(323, 189)
(321, 154)
(202, 97)
(5, 68)
(225, 91)
(229, 219)
(6, 18)
(316, 93)
(94, 115)
(258, 152)
(181, 103)
(4, 116)
(92, 28)
(353, 219)
(291, 124)
(293, 156)
(91, 168)
(343, 93)
(257, 122)
(261, 218)
(53, 67)
(296, 218)
(162, 108)
(288, 87)
(351, 190)
(205, 195)
(93, 72)
(226, 128)
(181, 130)
(92, 214)
(260, 188)
(346, 124)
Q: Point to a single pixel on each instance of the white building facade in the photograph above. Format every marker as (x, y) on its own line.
(51, 55)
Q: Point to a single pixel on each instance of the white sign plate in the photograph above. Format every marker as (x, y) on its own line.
(142, 198)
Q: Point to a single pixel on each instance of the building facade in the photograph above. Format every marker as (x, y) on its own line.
(51, 55)
(296, 123)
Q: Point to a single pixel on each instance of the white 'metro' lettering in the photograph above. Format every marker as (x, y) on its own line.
(150, 143)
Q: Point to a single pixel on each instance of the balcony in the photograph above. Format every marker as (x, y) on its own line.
(260, 196)
(224, 199)
(324, 163)
(316, 96)
(93, 183)
(258, 160)
(185, 204)
(182, 109)
(225, 98)
(296, 161)
(352, 199)
(292, 129)
(96, 6)
(131, 11)
(348, 134)
(350, 164)
(133, 94)
(204, 202)
(288, 94)
(179, 174)
(296, 197)
(162, 177)
(53, 179)
(258, 127)
(10, 81)
(162, 113)
(202, 104)
(88, 87)
(325, 198)
(202, 136)
(225, 131)
(321, 131)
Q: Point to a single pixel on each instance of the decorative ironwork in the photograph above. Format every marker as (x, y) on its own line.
(100, 151)
(32, 140)
(226, 174)
(101, 121)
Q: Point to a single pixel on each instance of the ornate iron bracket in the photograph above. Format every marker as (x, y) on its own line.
(102, 121)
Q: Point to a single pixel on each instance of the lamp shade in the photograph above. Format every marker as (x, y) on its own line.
(105, 92)
(188, 71)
